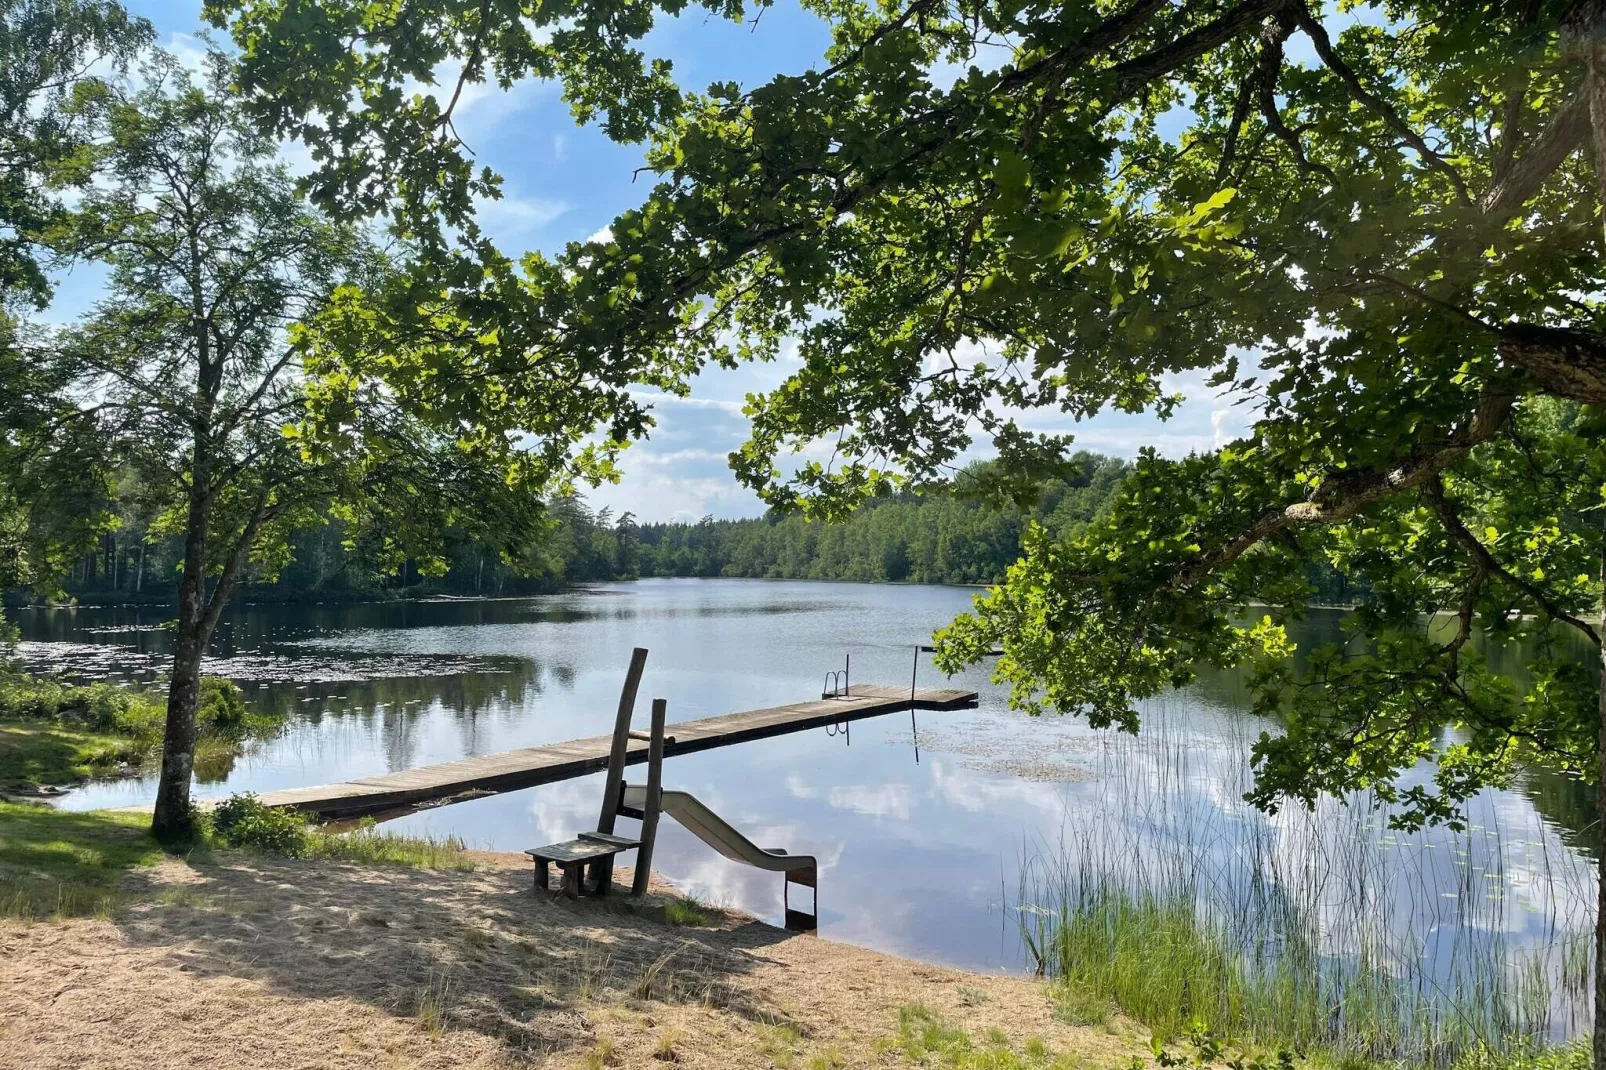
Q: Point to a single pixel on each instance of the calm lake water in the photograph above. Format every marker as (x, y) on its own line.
(921, 854)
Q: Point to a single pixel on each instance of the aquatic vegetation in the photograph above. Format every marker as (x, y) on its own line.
(1176, 902)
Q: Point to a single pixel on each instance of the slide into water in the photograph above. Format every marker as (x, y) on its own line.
(722, 837)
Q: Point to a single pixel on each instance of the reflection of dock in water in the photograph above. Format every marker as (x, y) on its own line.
(529, 766)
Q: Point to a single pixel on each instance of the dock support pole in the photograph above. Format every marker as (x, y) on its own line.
(621, 740)
(914, 733)
(654, 801)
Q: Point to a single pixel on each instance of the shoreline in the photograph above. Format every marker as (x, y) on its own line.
(271, 962)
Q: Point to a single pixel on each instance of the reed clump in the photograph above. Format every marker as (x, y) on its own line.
(1326, 932)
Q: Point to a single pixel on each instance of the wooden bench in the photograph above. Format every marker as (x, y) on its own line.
(590, 849)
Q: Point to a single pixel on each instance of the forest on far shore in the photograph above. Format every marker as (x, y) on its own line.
(951, 535)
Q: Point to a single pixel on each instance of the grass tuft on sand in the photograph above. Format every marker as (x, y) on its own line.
(690, 911)
(370, 846)
(926, 1038)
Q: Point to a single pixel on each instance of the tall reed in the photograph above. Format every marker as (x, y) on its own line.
(1170, 899)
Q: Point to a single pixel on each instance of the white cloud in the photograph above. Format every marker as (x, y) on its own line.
(512, 218)
(189, 49)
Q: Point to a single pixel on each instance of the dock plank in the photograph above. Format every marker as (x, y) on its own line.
(529, 766)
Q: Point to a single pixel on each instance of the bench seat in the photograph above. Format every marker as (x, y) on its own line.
(593, 849)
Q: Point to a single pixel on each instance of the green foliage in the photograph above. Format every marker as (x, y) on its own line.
(222, 707)
(954, 534)
(686, 910)
(55, 59)
(58, 863)
(102, 708)
(242, 821)
(925, 1038)
(370, 846)
(260, 367)
(48, 752)
(1527, 1056)
(53, 732)
(1379, 234)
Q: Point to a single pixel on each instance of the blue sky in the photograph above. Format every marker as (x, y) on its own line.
(564, 183)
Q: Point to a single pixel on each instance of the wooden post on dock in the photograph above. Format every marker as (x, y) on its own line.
(621, 740)
(655, 799)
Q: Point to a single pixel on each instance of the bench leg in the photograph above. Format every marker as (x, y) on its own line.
(543, 876)
(601, 876)
(573, 878)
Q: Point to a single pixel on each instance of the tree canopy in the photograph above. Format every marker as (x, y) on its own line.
(256, 365)
(55, 57)
(1379, 228)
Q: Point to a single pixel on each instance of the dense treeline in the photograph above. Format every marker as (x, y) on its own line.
(951, 536)
(956, 537)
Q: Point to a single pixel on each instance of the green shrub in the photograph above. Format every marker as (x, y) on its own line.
(242, 821)
(95, 707)
(222, 706)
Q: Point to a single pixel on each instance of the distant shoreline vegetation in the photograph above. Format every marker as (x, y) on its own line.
(944, 536)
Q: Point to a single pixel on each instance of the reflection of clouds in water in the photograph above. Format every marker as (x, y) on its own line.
(563, 809)
(886, 800)
(977, 792)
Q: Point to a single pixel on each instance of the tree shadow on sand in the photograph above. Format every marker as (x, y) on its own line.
(454, 950)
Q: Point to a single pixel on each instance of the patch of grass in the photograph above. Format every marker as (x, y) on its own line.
(925, 1038)
(689, 911)
(369, 845)
(242, 821)
(44, 752)
(779, 1043)
(970, 997)
(434, 1004)
(601, 1055)
(1076, 1003)
(53, 732)
(210, 902)
(664, 1049)
(1527, 1055)
(56, 863)
(647, 984)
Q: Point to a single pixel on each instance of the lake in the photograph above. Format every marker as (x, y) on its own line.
(934, 852)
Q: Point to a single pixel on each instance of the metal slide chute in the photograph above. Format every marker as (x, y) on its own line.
(715, 831)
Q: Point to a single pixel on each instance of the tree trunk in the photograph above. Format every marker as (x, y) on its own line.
(1599, 1038)
(1600, 847)
(173, 821)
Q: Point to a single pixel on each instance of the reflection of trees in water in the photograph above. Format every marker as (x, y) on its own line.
(390, 710)
(1566, 804)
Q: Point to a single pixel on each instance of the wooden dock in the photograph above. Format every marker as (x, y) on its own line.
(512, 770)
